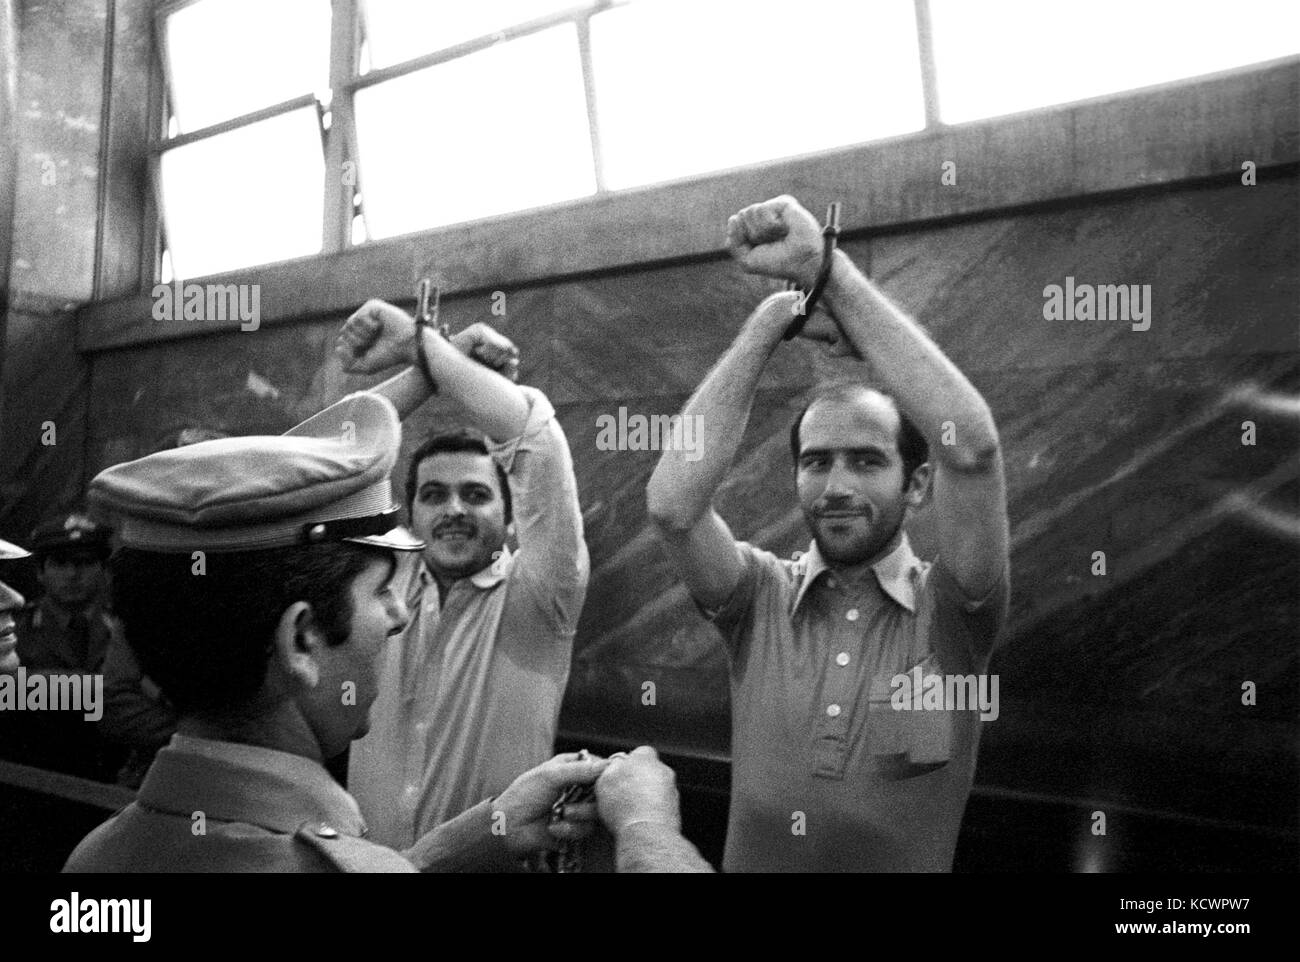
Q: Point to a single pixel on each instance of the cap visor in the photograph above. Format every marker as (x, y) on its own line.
(10, 552)
(398, 539)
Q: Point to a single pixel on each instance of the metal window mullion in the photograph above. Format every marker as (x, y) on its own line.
(235, 123)
(151, 257)
(340, 139)
(589, 87)
(568, 15)
(925, 47)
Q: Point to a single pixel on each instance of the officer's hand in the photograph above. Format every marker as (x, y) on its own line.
(526, 804)
(777, 238)
(376, 337)
(489, 347)
(638, 788)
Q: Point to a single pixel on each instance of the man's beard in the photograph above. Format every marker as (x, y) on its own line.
(877, 539)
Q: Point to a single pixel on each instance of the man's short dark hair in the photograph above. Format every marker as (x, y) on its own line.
(454, 442)
(912, 446)
(206, 639)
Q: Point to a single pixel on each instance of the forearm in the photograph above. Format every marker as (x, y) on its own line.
(908, 365)
(492, 403)
(467, 843)
(681, 489)
(407, 390)
(652, 847)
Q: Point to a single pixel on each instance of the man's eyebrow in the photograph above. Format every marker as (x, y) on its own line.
(857, 449)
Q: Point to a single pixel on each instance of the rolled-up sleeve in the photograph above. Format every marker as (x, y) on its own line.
(552, 563)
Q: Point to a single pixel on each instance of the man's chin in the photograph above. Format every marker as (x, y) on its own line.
(455, 564)
(846, 551)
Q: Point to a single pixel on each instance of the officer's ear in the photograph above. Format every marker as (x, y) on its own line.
(297, 641)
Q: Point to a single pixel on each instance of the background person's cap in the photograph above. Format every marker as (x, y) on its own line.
(324, 480)
(71, 532)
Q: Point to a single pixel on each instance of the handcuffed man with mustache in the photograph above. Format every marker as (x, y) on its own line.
(471, 690)
(826, 775)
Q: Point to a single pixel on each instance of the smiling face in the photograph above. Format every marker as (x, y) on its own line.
(338, 707)
(459, 513)
(10, 602)
(849, 476)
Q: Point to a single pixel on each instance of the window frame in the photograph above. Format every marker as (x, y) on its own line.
(339, 138)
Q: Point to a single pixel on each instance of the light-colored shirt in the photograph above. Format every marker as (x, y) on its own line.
(827, 774)
(470, 693)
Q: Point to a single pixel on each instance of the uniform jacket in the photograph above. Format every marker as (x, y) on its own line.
(212, 806)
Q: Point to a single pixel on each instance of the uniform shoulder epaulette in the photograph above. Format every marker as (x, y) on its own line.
(349, 854)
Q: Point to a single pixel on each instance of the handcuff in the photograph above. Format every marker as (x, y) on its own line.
(568, 858)
(830, 235)
(427, 297)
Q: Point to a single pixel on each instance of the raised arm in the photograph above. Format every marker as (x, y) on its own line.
(780, 239)
(465, 368)
(679, 496)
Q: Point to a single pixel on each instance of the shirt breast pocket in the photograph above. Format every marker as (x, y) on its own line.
(904, 735)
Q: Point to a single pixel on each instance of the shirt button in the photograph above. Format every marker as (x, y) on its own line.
(842, 659)
(833, 711)
(852, 614)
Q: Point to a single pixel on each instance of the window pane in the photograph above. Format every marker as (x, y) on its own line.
(231, 57)
(500, 130)
(251, 196)
(1001, 56)
(399, 30)
(687, 86)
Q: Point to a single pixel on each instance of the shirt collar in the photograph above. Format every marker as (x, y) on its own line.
(235, 782)
(896, 573)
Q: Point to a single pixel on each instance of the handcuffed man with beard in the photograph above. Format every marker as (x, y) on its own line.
(470, 693)
(828, 775)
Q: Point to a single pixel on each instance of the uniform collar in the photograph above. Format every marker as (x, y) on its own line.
(232, 782)
(896, 573)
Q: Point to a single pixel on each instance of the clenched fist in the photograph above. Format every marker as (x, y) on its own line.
(777, 238)
(376, 337)
(490, 348)
(380, 335)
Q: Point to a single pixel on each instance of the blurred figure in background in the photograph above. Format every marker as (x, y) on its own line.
(66, 632)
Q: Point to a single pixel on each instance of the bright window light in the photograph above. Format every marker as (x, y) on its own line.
(400, 30)
(1001, 56)
(227, 58)
(689, 86)
(500, 130)
(247, 197)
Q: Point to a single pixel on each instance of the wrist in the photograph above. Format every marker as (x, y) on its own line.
(648, 824)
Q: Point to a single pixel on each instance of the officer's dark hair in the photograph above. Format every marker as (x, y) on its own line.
(206, 639)
(454, 441)
(912, 446)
